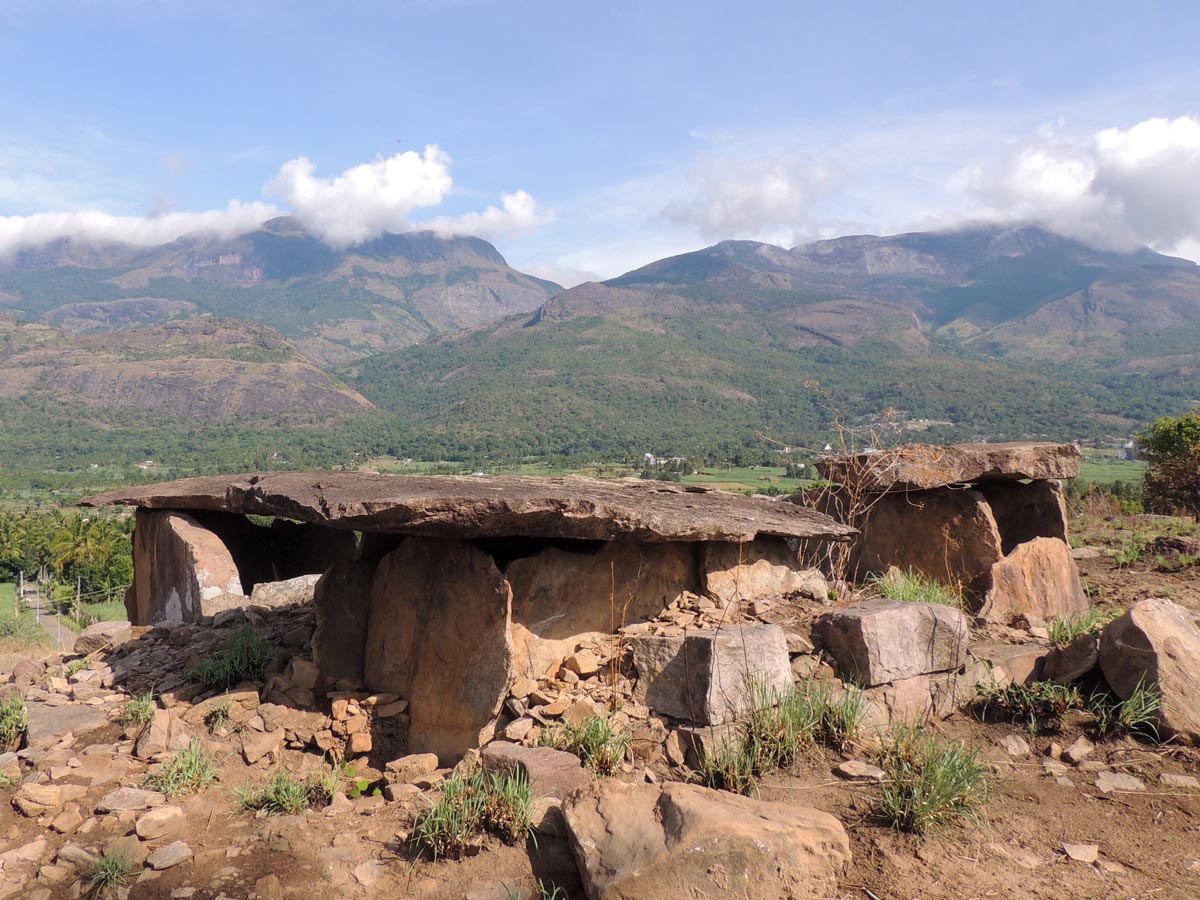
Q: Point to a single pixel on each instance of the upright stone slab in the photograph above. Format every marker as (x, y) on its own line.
(438, 635)
(949, 535)
(563, 596)
(182, 571)
(707, 676)
(343, 604)
(1038, 580)
(1157, 642)
(881, 641)
(763, 567)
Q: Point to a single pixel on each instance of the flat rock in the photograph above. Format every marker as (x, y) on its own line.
(129, 799)
(857, 770)
(880, 641)
(102, 634)
(169, 856)
(918, 467)
(1187, 782)
(1107, 781)
(1157, 642)
(47, 725)
(289, 592)
(496, 506)
(551, 773)
(160, 822)
(1084, 853)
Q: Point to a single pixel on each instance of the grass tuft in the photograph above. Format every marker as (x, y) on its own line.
(138, 710)
(188, 771)
(594, 741)
(109, 870)
(12, 722)
(929, 783)
(731, 766)
(1138, 716)
(1040, 705)
(246, 656)
(285, 795)
(912, 586)
(500, 803)
(1064, 629)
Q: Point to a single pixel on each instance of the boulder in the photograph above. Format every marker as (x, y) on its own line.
(1011, 663)
(551, 773)
(438, 634)
(1027, 511)
(921, 697)
(46, 725)
(1038, 580)
(1072, 661)
(156, 735)
(129, 799)
(920, 467)
(100, 635)
(159, 822)
(1157, 642)
(881, 641)
(342, 598)
(950, 536)
(290, 592)
(182, 571)
(411, 767)
(765, 567)
(707, 676)
(681, 841)
(562, 597)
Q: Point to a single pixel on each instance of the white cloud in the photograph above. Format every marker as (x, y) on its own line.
(364, 201)
(748, 198)
(518, 214)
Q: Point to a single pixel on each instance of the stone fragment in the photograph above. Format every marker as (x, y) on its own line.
(1107, 782)
(75, 855)
(1038, 580)
(360, 742)
(24, 854)
(681, 841)
(1079, 750)
(879, 641)
(765, 567)
(580, 711)
(155, 737)
(160, 822)
(1011, 663)
(583, 663)
(67, 821)
(518, 729)
(303, 674)
(707, 676)
(1016, 746)
(102, 634)
(857, 770)
(169, 856)
(289, 592)
(1187, 782)
(435, 605)
(256, 745)
(1084, 853)
(1157, 642)
(551, 773)
(1073, 660)
(46, 725)
(413, 766)
(129, 799)
(182, 571)
(33, 799)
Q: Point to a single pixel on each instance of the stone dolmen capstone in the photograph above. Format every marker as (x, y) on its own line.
(986, 518)
(443, 590)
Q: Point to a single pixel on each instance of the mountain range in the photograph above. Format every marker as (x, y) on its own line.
(434, 347)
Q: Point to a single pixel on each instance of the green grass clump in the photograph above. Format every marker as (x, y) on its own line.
(594, 741)
(108, 871)
(190, 770)
(1064, 629)
(246, 656)
(1040, 705)
(285, 795)
(1133, 551)
(138, 710)
(912, 586)
(24, 629)
(1137, 716)
(75, 666)
(929, 782)
(217, 716)
(12, 722)
(730, 766)
(500, 803)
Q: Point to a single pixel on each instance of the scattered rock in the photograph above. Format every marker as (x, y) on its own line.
(256, 745)
(102, 634)
(1084, 853)
(1107, 782)
(551, 773)
(284, 593)
(411, 767)
(129, 799)
(169, 856)
(765, 567)
(1016, 746)
(1080, 750)
(1187, 782)
(857, 770)
(160, 822)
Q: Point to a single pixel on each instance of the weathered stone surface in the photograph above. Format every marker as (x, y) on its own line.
(46, 725)
(681, 841)
(413, 766)
(1157, 642)
(950, 536)
(919, 467)
(706, 676)
(438, 635)
(129, 799)
(879, 641)
(764, 567)
(1027, 511)
(1038, 580)
(497, 506)
(343, 603)
(155, 737)
(289, 592)
(35, 799)
(921, 697)
(1072, 661)
(182, 571)
(257, 744)
(169, 856)
(551, 773)
(561, 597)
(1012, 663)
(102, 634)
(160, 822)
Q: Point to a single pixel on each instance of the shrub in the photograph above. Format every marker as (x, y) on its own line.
(1137, 716)
(927, 782)
(138, 710)
(1064, 629)
(1040, 705)
(288, 796)
(594, 741)
(188, 771)
(12, 722)
(246, 656)
(75, 666)
(109, 870)
(499, 803)
(912, 586)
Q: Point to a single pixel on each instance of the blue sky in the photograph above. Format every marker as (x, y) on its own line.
(588, 138)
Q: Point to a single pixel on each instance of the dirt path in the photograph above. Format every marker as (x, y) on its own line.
(62, 636)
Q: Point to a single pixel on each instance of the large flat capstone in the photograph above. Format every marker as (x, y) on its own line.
(497, 506)
(920, 467)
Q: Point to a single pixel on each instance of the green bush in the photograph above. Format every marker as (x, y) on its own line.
(912, 586)
(1040, 705)
(246, 656)
(594, 741)
(286, 795)
(1064, 629)
(188, 771)
(500, 803)
(12, 722)
(1139, 715)
(929, 783)
(138, 710)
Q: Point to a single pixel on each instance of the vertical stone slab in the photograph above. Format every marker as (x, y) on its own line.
(438, 635)
(764, 567)
(182, 571)
(1026, 511)
(343, 604)
(1038, 580)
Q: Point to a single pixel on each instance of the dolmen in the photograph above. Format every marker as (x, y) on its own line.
(444, 590)
(987, 519)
